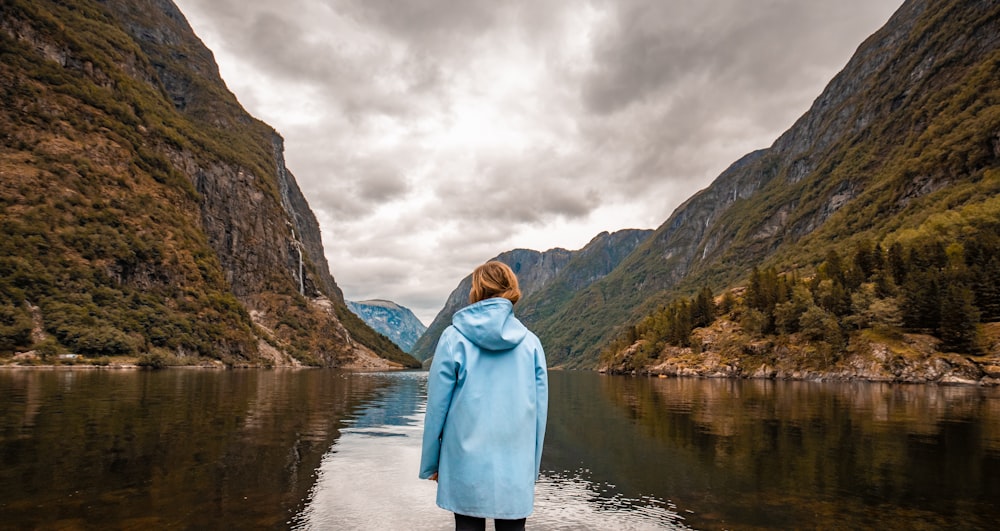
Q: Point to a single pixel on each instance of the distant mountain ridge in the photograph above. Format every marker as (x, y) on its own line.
(546, 279)
(396, 322)
(144, 210)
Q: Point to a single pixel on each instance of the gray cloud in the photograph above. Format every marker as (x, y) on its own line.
(437, 23)
(653, 48)
(513, 192)
(430, 135)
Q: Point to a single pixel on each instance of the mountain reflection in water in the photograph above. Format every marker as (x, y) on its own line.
(318, 449)
(181, 448)
(765, 454)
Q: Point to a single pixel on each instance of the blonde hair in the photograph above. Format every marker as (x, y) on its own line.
(494, 279)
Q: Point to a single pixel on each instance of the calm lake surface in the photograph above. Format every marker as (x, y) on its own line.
(320, 449)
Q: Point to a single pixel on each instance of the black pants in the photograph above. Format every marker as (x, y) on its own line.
(471, 523)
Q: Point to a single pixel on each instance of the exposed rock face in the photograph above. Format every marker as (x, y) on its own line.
(857, 164)
(218, 244)
(254, 235)
(391, 320)
(547, 279)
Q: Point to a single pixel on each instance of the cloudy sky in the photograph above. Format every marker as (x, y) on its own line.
(432, 135)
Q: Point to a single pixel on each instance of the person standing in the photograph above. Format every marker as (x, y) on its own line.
(487, 404)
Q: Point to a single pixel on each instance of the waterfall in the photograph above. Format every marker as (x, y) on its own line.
(298, 248)
(302, 278)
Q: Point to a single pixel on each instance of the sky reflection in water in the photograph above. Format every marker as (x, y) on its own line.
(383, 441)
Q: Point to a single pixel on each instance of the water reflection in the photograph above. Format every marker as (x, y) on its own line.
(797, 454)
(574, 501)
(319, 449)
(179, 448)
(368, 480)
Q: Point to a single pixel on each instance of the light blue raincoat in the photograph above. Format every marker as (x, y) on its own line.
(487, 401)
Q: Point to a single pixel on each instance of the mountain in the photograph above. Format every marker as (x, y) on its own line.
(391, 320)
(144, 211)
(533, 269)
(547, 279)
(905, 139)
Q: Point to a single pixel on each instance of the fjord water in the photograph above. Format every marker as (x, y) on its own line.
(318, 449)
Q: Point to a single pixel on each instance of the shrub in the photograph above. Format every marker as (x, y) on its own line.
(821, 326)
(754, 321)
(48, 348)
(157, 359)
(15, 328)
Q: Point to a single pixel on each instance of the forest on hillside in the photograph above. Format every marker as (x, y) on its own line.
(943, 282)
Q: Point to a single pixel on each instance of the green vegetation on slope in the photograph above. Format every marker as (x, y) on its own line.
(104, 250)
(941, 279)
(98, 228)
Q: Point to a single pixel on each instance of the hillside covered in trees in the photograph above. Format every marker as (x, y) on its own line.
(894, 305)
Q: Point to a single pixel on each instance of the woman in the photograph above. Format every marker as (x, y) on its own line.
(487, 400)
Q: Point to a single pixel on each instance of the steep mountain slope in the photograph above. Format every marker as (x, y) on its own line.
(909, 129)
(143, 209)
(547, 279)
(391, 320)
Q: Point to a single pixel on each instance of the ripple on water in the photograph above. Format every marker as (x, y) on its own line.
(570, 500)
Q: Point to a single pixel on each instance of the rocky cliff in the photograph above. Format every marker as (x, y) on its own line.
(907, 130)
(547, 279)
(171, 220)
(391, 320)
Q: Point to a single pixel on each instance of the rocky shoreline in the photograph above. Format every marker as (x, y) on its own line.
(29, 361)
(938, 371)
(912, 358)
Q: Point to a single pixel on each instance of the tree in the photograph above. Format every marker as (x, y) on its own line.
(820, 325)
(787, 314)
(15, 328)
(755, 297)
(864, 264)
(864, 258)
(959, 324)
(986, 281)
(765, 291)
(631, 335)
(703, 309)
(897, 263)
(754, 321)
(832, 268)
(884, 316)
(869, 310)
(921, 301)
(832, 296)
(680, 324)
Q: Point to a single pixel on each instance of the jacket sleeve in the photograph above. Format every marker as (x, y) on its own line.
(541, 406)
(440, 387)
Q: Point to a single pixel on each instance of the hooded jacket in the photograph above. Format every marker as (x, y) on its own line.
(487, 402)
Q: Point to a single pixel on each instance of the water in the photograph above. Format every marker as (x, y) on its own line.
(316, 449)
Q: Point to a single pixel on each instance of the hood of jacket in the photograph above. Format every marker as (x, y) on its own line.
(490, 324)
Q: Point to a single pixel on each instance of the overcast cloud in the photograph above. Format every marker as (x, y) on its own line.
(432, 135)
